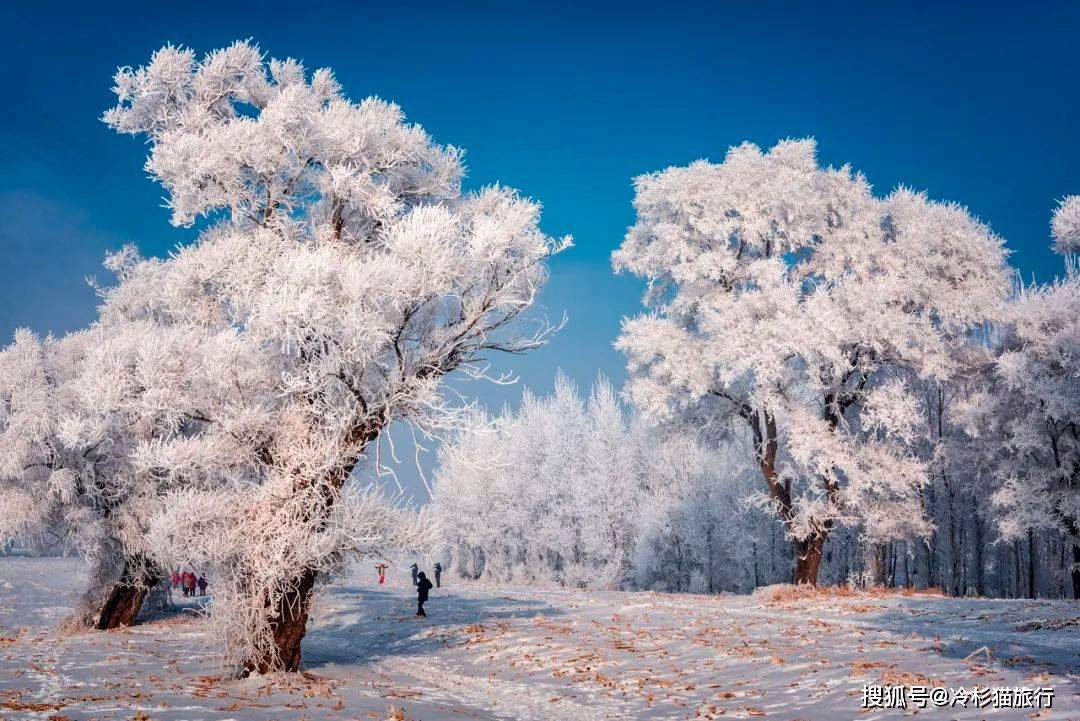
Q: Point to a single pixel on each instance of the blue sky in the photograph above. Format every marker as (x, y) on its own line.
(975, 103)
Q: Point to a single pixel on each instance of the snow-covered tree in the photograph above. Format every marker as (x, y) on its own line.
(954, 499)
(1028, 417)
(1065, 226)
(573, 492)
(75, 414)
(28, 442)
(695, 532)
(792, 307)
(548, 494)
(350, 273)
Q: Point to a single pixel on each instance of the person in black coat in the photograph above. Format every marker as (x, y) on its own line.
(438, 574)
(422, 587)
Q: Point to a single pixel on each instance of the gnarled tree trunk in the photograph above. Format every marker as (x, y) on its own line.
(808, 551)
(289, 623)
(121, 605)
(808, 554)
(289, 619)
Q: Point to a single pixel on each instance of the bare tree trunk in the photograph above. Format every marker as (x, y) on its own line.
(931, 546)
(1058, 579)
(980, 563)
(808, 558)
(121, 605)
(1032, 575)
(1017, 569)
(956, 543)
(754, 555)
(964, 565)
(1075, 571)
(709, 556)
(1073, 540)
(879, 563)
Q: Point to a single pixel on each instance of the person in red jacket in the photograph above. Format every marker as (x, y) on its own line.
(176, 578)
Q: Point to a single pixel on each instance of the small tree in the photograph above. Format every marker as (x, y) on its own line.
(352, 273)
(791, 306)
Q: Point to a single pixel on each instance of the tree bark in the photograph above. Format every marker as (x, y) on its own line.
(807, 551)
(121, 606)
(808, 558)
(289, 624)
(288, 621)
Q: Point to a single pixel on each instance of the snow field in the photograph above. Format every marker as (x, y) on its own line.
(537, 655)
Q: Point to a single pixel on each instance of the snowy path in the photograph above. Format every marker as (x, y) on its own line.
(538, 655)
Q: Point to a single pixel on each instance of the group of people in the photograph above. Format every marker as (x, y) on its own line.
(189, 582)
(417, 574)
(420, 580)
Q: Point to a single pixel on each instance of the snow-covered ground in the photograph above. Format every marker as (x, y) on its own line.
(516, 653)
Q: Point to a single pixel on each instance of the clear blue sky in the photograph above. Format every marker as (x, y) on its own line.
(975, 103)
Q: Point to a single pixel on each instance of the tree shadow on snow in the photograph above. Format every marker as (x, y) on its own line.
(185, 607)
(960, 627)
(382, 623)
